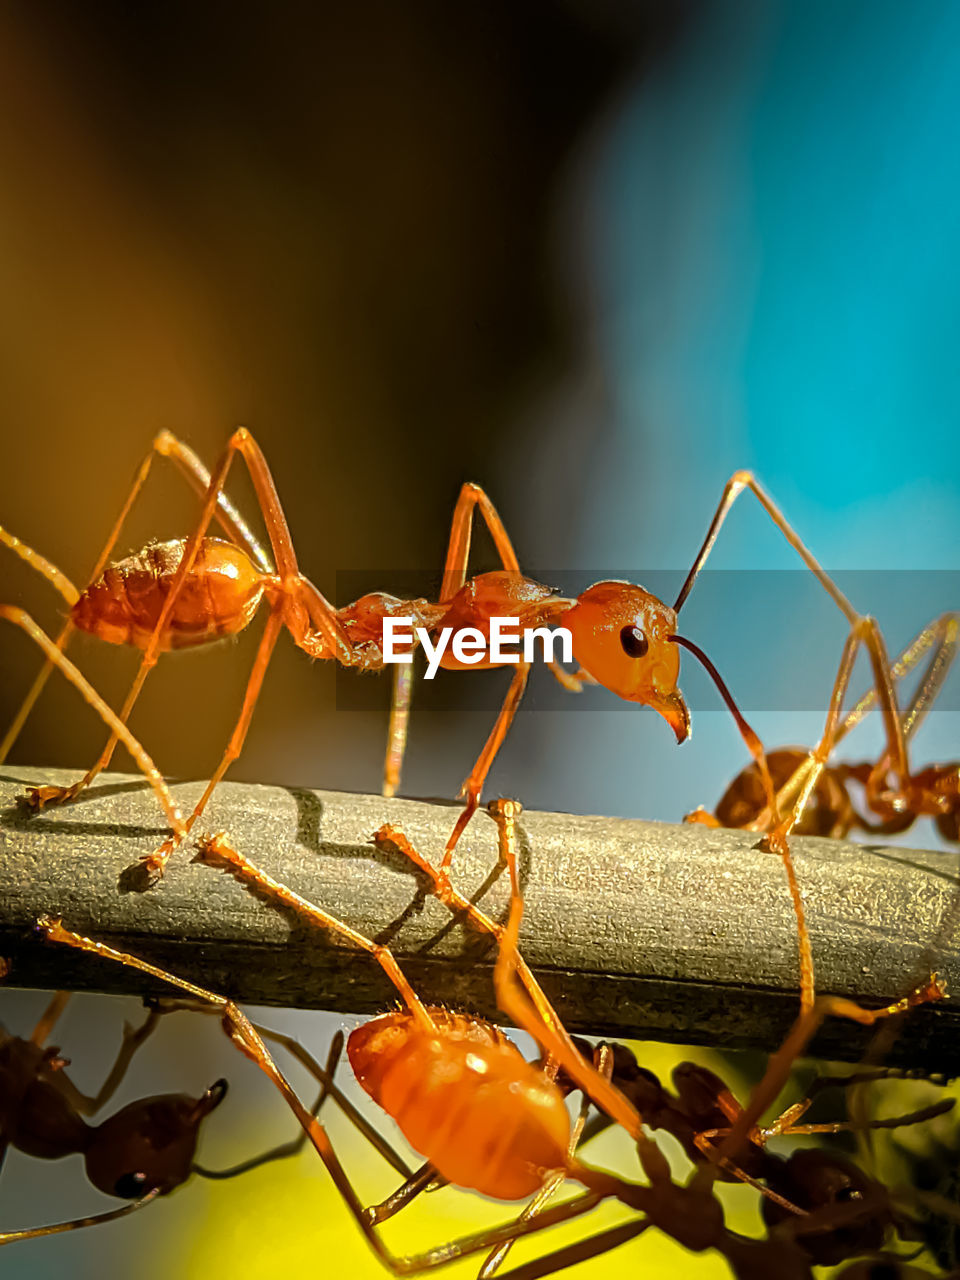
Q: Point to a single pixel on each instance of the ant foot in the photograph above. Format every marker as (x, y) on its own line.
(154, 863)
(935, 988)
(504, 807)
(702, 817)
(775, 841)
(215, 850)
(36, 798)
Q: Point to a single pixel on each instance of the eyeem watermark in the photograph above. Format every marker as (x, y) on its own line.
(507, 643)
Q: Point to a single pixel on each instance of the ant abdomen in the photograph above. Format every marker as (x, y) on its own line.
(828, 812)
(218, 598)
(465, 1098)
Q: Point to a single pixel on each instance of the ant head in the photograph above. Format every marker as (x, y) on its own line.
(700, 1091)
(621, 636)
(149, 1144)
(820, 1181)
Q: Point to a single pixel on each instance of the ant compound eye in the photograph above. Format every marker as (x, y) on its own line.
(130, 1186)
(846, 1194)
(635, 643)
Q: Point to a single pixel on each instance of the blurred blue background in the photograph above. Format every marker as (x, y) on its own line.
(765, 229)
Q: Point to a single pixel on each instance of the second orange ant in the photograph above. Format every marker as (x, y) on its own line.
(819, 792)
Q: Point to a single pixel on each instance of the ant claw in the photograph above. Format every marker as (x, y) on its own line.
(775, 841)
(215, 849)
(504, 807)
(35, 798)
(935, 988)
(154, 863)
(702, 817)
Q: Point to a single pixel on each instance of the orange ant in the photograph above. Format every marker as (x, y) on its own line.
(143, 1151)
(822, 804)
(188, 592)
(703, 1109)
(415, 1063)
(514, 1083)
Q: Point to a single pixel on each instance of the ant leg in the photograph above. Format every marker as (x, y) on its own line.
(418, 1182)
(943, 632)
(478, 774)
(527, 1004)
(113, 722)
(803, 1029)
(133, 1038)
(572, 681)
(213, 851)
(737, 484)
(285, 1150)
(820, 755)
(504, 813)
(458, 548)
(58, 580)
(581, 1251)
(454, 575)
(549, 1032)
(890, 1122)
(704, 1143)
(328, 1089)
(198, 477)
(155, 863)
(245, 1038)
(323, 1075)
(399, 723)
(776, 838)
(166, 445)
(11, 1237)
(49, 1018)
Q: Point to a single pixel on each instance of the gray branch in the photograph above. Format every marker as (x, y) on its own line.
(636, 929)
